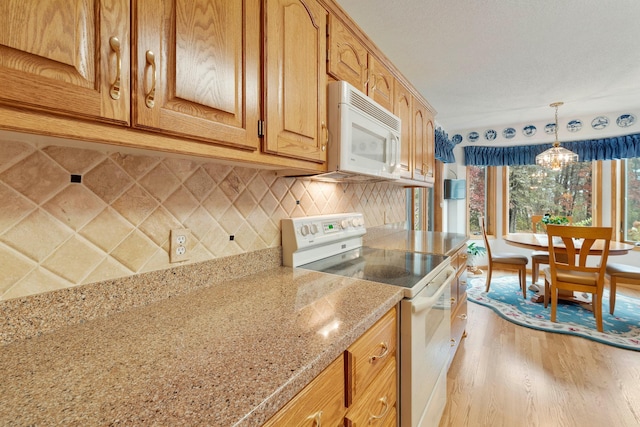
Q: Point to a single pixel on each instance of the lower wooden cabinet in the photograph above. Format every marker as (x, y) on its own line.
(359, 388)
(372, 375)
(377, 405)
(321, 402)
(458, 302)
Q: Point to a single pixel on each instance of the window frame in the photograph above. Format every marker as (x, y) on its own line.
(618, 200)
(490, 209)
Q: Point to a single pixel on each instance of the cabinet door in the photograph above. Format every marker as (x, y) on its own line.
(197, 69)
(380, 84)
(296, 79)
(56, 56)
(319, 403)
(403, 109)
(424, 138)
(347, 56)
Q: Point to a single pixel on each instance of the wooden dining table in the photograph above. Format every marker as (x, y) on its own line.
(540, 242)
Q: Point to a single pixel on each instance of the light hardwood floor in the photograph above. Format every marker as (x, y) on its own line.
(511, 376)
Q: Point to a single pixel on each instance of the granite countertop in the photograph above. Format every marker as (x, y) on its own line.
(417, 241)
(232, 353)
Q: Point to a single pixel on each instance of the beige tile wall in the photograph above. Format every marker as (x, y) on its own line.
(56, 234)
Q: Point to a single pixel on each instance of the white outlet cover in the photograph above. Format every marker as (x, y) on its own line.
(179, 244)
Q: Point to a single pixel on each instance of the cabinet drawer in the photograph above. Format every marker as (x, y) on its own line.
(462, 260)
(369, 354)
(320, 402)
(376, 407)
(458, 327)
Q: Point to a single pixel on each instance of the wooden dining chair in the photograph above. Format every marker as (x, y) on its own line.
(540, 257)
(579, 271)
(505, 261)
(623, 274)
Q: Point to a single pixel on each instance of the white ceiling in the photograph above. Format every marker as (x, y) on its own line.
(494, 63)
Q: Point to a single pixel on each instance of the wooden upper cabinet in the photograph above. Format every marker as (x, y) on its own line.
(197, 69)
(424, 139)
(347, 56)
(380, 83)
(295, 79)
(56, 56)
(403, 108)
(430, 154)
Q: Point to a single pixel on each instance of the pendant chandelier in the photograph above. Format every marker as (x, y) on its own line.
(556, 157)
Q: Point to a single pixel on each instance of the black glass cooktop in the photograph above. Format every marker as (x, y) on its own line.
(392, 267)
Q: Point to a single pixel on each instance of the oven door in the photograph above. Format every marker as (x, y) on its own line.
(425, 325)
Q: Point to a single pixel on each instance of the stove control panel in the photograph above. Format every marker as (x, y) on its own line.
(306, 238)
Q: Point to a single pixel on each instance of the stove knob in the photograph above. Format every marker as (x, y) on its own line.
(344, 223)
(314, 228)
(357, 222)
(304, 230)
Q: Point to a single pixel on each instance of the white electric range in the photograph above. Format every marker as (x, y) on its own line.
(333, 244)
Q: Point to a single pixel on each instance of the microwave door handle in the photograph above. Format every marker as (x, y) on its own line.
(394, 150)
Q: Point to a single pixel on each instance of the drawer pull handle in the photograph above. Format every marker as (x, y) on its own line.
(452, 342)
(463, 316)
(385, 409)
(317, 422)
(114, 92)
(385, 351)
(149, 100)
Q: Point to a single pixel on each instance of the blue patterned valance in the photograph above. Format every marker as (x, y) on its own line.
(444, 147)
(619, 147)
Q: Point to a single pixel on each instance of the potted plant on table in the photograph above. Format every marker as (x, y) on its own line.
(555, 219)
(474, 252)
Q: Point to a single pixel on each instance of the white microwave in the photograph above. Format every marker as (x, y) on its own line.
(364, 137)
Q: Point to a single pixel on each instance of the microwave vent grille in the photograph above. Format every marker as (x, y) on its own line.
(365, 105)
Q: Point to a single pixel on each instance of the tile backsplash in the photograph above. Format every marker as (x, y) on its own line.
(56, 233)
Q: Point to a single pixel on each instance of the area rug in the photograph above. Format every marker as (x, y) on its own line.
(505, 297)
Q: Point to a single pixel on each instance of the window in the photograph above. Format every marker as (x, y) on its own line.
(631, 200)
(481, 198)
(534, 190)
(418, 202)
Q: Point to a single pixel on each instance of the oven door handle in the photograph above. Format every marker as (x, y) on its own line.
(420, 304)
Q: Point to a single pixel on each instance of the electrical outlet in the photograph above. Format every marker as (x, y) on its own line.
(179, 242)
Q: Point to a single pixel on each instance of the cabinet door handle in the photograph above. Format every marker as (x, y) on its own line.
(326, 136)
(317, 422)
(385, 409)
(114, 91)
(452, 299)
(385, 351)
(375, 82)
(364, 72)
(463, 317)
(452, 342)
(150, 98)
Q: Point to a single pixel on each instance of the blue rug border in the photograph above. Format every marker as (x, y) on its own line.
(537, 328)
